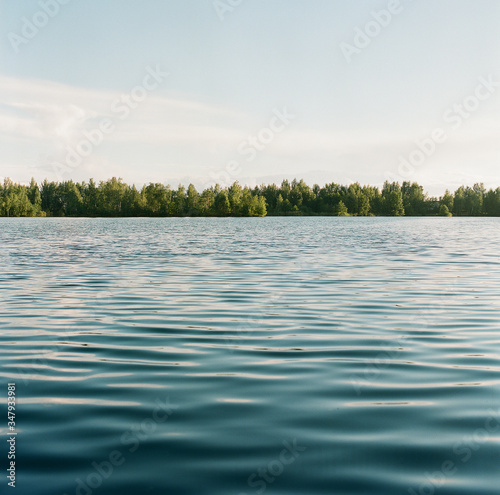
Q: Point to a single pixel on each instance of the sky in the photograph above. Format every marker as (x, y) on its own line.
(207, 91)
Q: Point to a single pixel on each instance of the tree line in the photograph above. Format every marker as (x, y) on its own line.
(114, 198)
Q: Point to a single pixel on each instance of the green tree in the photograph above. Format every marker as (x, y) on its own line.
(180, 203)
(110, 197)
(260, 208)
(392, 199)
(91, 198)
(413, 199)
(447, 200)
(35, 197)
(342, 209)
(156, 199)
(444, 211)
(70, 198)
(222, 206)
(235, 198)
(279, 204)
(459, 201)
(207, 201)
(115, 198)
(133, 203)
(193, 199)
(491, 204)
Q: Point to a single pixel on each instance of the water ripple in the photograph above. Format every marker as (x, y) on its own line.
(365, 349)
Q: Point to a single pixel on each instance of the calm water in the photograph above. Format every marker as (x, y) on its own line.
(242, 356)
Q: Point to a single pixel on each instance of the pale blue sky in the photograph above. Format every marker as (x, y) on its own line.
(352, 121)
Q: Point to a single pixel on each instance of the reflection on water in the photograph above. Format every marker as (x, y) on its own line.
(230, 356)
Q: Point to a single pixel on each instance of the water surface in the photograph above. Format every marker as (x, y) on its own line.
(240, 356)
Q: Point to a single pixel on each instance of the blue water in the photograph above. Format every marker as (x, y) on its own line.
(245, 356)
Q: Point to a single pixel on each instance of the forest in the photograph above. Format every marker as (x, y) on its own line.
(114, 198)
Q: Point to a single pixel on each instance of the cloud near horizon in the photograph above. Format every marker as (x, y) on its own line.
(175, 135)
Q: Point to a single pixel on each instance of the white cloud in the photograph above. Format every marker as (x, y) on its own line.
(36, 109)
(165, 137)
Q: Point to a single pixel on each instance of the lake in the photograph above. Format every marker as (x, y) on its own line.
(237, 356)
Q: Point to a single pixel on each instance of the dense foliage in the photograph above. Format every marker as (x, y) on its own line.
(115, 198)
